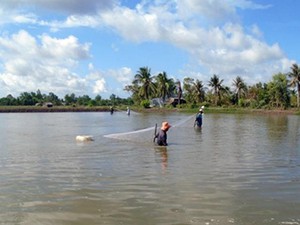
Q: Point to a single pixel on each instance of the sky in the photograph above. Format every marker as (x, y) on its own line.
(95, 47)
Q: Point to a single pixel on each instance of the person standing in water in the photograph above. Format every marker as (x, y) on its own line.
(198, 120)
(128, 111)
(162, 134)
(111, 110)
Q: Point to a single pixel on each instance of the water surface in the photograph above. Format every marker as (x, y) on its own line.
(239, 169)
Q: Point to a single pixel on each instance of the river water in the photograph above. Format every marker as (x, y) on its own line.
(239, 169)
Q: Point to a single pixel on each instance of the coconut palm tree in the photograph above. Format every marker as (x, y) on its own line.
(240, 87)
(295, 80)
(144, 80)
(199, 90)
(164, 85)
(194, 90)
(217, 87)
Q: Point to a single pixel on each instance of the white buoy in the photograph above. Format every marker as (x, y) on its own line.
(83, 138)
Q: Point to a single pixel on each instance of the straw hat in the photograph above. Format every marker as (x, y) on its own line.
(165, 126)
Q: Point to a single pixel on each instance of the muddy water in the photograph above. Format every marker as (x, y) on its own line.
(239, 169)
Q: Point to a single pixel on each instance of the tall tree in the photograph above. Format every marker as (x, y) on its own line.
(70, 99)
(26, 98)
(278, 91)
(217, 87)
(164, 85)
(145, 82)
(295, 80)
(199, 90)
(240, 87)
(194, 90)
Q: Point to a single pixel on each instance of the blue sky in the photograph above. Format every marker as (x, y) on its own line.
(96, 47)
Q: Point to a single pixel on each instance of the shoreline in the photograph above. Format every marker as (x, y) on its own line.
(35, 109)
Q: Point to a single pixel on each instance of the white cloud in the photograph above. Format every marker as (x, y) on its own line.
(46, 63)
(99, 86)
(122, 75)
(209, 30)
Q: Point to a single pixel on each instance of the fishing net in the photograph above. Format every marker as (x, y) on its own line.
(146, 135)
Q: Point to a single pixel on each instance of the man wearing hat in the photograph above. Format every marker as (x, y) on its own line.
(198, 120)
(162, 134)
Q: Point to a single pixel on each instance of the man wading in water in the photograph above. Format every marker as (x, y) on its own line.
(198, 120)
(162, 134)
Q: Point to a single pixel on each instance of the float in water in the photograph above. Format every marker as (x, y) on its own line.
(84, 138)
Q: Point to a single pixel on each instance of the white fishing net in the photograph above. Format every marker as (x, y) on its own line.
(147, 134)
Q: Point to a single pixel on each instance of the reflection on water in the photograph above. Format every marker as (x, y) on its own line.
(238, 169)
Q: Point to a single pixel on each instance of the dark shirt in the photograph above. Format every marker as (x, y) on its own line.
(162, 138)
(199, 119)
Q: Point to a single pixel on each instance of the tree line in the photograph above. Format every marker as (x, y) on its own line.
(282, 91)
(39, 99)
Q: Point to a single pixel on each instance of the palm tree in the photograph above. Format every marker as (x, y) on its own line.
(295, 80)
(164, 85)
(199, 90)
(240, 87)
(216, 84)
(194, 90)
(144, 80)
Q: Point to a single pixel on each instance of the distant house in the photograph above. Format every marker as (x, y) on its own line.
(156, 102)
(48, 104)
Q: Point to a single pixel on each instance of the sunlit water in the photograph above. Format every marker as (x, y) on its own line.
(239, 169)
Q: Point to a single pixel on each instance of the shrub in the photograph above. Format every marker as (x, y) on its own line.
(145, 103)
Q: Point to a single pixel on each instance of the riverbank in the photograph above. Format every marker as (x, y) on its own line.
(33, 109)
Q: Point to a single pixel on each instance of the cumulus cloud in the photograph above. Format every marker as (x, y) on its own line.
(99, 86)
(46, 63)
(225, 48)
(209, 30)
(99, 79)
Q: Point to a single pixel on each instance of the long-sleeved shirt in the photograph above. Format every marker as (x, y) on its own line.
(199, 119)
(162, 138)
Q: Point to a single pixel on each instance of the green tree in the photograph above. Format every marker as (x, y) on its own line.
(144, 81)
(53, 98)
(278, 91)
(199, 91)
(83, 100)
(8, 100)
(70, 99)
(258, 95)
(240, 88)
(134, 89)
(164, 85)
(295, 80)
(98, 100)
(194, 90)
(217, 87)
(26, 98)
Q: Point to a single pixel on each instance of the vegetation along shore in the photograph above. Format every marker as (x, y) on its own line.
(160, 93)
(185, 109)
